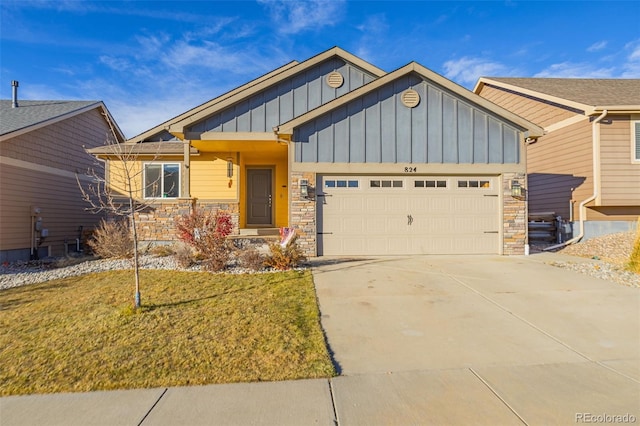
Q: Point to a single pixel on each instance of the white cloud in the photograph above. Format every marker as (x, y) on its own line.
(374, 24)
(292, 17)
(467, 70)
(623, 63)
(595, 47)
(631, 68)
(575, 70)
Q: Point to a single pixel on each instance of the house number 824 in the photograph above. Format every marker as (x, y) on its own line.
(410, 169)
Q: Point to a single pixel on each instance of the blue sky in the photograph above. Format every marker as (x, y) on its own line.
(152, 60)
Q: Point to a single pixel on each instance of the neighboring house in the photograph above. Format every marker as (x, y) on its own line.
(41, 150)
(587, 166)
(358, 161)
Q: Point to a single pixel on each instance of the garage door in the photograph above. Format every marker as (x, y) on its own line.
(381, 215)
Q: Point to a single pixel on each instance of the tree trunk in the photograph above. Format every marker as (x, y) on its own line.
(136, 268)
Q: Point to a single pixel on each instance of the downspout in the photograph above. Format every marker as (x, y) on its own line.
(582, 211)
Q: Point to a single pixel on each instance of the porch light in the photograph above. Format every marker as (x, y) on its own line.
(229, 167)
(516, 189)
(304, 188)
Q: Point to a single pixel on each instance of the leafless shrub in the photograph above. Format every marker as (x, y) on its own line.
(251, 259)
(284, 258)
(207, 233)
(112, 239)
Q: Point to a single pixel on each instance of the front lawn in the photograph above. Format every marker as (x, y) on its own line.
(81, 334)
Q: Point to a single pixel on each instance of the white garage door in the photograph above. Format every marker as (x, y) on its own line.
(376, 215)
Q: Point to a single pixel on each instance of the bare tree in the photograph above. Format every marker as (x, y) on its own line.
(121, 195)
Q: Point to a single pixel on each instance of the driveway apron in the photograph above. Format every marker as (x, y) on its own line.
(432, 339)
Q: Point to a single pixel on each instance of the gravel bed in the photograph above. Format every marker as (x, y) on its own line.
(606, 257)
(22, 273)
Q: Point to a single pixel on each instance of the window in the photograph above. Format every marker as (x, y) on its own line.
(377, 183)
(635, 137)
(431, 183)
(341, 183)
(162, 180)
(474, 183)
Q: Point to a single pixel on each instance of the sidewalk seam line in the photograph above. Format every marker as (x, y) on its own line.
(333, 403)
(153, 406)
(535, 327)
(530, 324)
(498, 396)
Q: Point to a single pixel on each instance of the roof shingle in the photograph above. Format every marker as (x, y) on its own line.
(30, 113)
(587, 91)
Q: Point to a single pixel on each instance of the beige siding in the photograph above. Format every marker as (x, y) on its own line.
(537, 111)
(627, 213)
(59, 145)
(57, 195)
(38, 169)
(557, 163)
(620, 184)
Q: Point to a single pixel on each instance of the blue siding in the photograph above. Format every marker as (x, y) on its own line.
(378, 128)
(286, 100)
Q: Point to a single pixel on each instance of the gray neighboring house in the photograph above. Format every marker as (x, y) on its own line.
(41, 150)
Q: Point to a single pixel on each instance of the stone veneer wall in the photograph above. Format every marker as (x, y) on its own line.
(303, 212)
(157, 223)
(514, 217)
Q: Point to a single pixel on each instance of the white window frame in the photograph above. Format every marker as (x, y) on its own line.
(635, 141)
(162, 164)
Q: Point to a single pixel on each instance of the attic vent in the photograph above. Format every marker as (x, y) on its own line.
(335, 80)
(410, 98)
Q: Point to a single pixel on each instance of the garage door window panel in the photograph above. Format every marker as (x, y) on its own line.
(474, 183)
(430, 183)
(342, 183)
(386, 183)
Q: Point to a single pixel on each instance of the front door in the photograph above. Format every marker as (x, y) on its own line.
(259, 197)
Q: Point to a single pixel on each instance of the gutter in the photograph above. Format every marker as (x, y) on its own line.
(582, 211)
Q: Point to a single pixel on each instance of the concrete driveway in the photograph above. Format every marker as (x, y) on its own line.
(429, 340)
(478, 339)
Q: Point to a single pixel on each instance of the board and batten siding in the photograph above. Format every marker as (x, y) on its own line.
(38, 168)
(285, 100)
(379, 128)
(620, 181)
(537, 111)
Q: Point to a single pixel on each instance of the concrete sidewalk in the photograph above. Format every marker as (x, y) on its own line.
(420, 340)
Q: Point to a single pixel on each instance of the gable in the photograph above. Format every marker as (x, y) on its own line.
(285, 100)
(377, 127)
(540, 111)
(580, 93)
(33, 115)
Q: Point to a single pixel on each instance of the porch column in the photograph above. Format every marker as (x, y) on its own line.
(186, 164)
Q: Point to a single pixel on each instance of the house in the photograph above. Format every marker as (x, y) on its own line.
(42, 212)
(586, 168)
(357, 160)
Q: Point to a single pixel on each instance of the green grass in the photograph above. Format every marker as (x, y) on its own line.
(82, 334)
